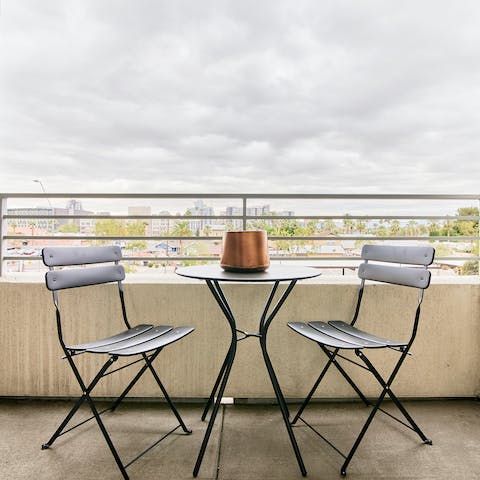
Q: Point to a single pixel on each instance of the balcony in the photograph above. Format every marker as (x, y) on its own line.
(248, 442)
(442, 381)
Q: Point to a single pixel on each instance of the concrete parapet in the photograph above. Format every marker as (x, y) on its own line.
(446, 360)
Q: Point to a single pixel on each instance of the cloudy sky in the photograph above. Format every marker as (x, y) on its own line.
(284, 96)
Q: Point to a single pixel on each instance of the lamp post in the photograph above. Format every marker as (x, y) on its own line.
(52, 222)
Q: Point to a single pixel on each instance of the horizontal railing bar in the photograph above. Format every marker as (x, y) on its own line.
(306, 196)
(290, 257)
(292, 238)
(248, 217)
(126, 217)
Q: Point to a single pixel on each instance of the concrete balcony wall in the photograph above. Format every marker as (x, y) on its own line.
(446, 361)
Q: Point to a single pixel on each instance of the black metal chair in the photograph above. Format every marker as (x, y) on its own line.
(336, 335)
(145, 341)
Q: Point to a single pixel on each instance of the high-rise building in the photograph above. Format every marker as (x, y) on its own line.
(200, 209)
(162, 226)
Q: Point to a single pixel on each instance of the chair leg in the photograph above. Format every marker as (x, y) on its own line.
(134, 381)
(59, 430)
(313, 389)
(331, 360)
(386, 390)
(345, 375)
(107, 437)
(148, 365)
(169, 400)
(396, 401)
(343, 470)
(80, 400)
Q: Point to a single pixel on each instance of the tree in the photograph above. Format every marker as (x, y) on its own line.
(467, 228)
(433, 229)
(348, 224)
(311, 228)
(395, 228)
(69, 227)
(109, 228)
(136, 229)
(330, 226)
(360, 226)
(207, 230)
(412, 228)
(470, 268)
(181, 229)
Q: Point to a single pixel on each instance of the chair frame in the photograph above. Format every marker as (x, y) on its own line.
(85, 256)
(332, 353)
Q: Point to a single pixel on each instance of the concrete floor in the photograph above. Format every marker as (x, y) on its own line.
(248, 442)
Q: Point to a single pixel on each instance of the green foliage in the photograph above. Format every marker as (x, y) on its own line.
(329, 226)
(466, 227)
(470, 268)
(118, 228)
(182, 229)
(69, 227)
(109, 228)
(136, 229)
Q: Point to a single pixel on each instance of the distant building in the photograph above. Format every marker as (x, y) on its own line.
(200, 209)
(73, 207)
(263, 210)
(45, 224)
(161, 226)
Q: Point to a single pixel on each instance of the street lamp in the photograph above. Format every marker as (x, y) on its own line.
(52, 222)
(44, 191)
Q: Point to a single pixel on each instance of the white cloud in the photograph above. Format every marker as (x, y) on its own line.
(280, 96)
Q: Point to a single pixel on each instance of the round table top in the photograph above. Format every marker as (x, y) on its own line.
(274, 273)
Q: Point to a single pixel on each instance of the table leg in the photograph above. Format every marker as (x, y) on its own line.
(224, 371)
(215, 386)
(264, 324)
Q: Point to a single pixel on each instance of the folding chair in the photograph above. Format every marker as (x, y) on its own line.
(335, 335)
(145, 340)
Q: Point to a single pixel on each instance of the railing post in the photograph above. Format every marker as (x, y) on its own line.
(478, 238)
(3, 231)
(244, 213)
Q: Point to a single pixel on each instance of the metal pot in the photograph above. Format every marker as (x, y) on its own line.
(245, 251)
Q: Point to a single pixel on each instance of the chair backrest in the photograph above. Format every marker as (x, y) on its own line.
(81, 277)
(396, 274)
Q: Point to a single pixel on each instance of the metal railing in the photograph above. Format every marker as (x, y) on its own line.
(317, 215)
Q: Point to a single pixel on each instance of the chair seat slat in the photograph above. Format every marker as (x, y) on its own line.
(150, 334)
(364, 336)
(159, 342)
(319, 337)
(331, 331)
(127, 334)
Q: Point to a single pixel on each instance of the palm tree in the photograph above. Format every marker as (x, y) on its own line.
(181, 229)
(348, 224)
(395, 228)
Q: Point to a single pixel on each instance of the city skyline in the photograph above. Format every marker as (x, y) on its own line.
(276, 97)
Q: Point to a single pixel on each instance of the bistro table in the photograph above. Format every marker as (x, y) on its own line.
(213, 276)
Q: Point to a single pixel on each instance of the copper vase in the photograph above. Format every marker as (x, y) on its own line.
(245, 251)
